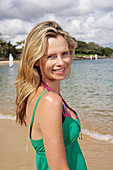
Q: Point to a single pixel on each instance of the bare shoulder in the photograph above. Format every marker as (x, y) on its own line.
(50, 107)
(51, 98)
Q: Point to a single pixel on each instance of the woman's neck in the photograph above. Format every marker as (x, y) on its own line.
(52, 86)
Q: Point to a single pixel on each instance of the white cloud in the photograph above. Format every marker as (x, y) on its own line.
(84, 19)
(85, 7)
(103, 5)
(14, 29)
(14, 26)
(28, 9)
(106, 21)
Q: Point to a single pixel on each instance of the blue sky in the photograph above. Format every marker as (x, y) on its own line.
(86, 20)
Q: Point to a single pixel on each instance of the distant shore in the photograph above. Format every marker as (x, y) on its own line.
(86, 57)
(7, 62)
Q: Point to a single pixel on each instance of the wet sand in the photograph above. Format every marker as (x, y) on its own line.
(13, 154)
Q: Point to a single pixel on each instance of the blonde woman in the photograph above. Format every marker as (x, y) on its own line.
(52, 125)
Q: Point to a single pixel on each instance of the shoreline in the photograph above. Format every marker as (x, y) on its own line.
(3, 62)
(7, 62)
(98, 154)
(85, 57)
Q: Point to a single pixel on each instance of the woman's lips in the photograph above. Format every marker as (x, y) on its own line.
(59, 70)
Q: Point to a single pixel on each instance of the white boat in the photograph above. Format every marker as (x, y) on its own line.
(91, 57)
(96, 57)
(10, 60)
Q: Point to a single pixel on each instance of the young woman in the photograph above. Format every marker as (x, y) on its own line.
(52, 125)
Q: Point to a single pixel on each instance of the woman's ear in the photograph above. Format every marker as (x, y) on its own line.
(37, 63)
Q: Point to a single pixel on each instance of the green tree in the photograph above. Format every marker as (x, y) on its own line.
(6, 49)
(3, 49)
(108, 51)
(81, 47)
(95, 48)
(92, 47)
(20, 43)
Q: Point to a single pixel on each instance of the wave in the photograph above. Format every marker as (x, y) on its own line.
(7, 117)
(95, 135)
(98, 136)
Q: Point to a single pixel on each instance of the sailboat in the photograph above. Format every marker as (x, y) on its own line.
(10, 60)
(91, 57)
(95, 56)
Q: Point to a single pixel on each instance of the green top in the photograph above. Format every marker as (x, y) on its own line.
(71, 129)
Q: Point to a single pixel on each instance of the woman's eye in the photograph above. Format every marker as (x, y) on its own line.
(64, 53)
(51, 57)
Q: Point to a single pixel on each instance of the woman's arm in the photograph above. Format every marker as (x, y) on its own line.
(50, 122)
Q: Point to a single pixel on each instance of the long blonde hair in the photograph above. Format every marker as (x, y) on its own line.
(28, 75)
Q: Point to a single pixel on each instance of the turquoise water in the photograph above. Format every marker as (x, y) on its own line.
(89, 91)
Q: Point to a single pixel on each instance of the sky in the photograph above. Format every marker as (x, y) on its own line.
(86, 20)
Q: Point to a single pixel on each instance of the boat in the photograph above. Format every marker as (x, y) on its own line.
(10, 60)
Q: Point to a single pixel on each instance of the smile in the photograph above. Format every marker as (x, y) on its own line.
(59, 70)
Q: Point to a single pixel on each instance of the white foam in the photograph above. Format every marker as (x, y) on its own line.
(98, 136)
(8, 117)
(95, 135)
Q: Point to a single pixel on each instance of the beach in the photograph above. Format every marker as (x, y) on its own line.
(13, 154)
(7, 62)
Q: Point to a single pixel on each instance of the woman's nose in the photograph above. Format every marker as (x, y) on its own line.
(59, 60)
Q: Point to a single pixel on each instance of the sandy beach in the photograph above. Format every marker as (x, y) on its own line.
(13, 154)
(7, 62)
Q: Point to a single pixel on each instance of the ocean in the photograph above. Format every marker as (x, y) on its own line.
(89, 91)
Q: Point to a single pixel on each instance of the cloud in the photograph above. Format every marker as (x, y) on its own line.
(14, 26)
(103, 5)
(84, 19)
(28, 9)
(14, 29)
(106, 21)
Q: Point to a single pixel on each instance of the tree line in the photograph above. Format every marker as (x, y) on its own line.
(92, 48)
(7, 48)
(83, 48)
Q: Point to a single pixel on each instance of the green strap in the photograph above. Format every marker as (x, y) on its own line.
(31, 124)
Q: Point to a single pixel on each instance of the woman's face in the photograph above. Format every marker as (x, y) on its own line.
(55, 63)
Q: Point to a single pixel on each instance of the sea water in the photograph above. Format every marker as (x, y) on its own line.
(89, 91)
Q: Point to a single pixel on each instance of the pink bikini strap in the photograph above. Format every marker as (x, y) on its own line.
(46, 87)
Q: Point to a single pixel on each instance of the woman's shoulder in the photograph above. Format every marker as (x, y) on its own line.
(51, 98)
(50, 110)
(50, 103)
